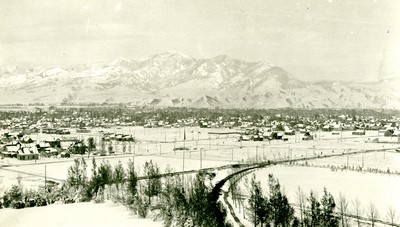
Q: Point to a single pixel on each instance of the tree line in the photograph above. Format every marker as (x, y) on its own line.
(272, 208)
(180, 200)
(173, 114)
(175, 200)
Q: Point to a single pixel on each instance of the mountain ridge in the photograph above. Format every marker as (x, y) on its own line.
(174, 79)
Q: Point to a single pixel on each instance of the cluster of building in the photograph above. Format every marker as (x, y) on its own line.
(256, 127)
(23, 147)
(54, 120)
(117, 137)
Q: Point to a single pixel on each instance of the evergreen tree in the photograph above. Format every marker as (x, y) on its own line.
(76, 177)
(91, 144)
(94, 183)
(132, 179)
(258, 204)
(153, 181)
(328, 217)
(166, 198)
(282, 213)
(180, 203)
(314, 215)
(105, 174)
(119, 175)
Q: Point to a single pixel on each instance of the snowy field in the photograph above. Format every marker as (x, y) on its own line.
(76, 214)
(378, 189)
(158, 144)
(376, 160)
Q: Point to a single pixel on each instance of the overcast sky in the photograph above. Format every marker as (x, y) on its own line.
(312, 39)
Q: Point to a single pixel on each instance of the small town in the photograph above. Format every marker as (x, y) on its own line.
(23, 136)
(211, 113)
(55, 145)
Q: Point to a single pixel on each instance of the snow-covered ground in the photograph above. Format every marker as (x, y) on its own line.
(376, 160)
(378, 189)
(216, 150)
(74, 215)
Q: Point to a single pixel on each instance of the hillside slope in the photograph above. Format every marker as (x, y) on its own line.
(173, 79)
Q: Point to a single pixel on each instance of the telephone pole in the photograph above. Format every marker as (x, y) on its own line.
(183, 168)
(201, 158)
(45, 176)
(256, 153)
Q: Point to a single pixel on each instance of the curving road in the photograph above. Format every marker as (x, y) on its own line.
(217, 190)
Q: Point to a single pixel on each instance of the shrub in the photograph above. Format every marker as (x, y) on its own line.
(13, 197)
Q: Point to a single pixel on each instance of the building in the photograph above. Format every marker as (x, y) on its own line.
(28, 153)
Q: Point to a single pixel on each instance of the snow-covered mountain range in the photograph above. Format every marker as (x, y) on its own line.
(173, 79)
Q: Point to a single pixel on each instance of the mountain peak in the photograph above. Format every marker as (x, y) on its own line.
(222, 57)
(121, 60)
(170, 55)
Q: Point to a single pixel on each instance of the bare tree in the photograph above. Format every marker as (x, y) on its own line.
(238, 195)
(301, 200)
(372, 214)
(343, 210)
(357, 210)
(233, 189)
(391, 215)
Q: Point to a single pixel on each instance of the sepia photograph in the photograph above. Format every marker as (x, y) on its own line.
(204, 113)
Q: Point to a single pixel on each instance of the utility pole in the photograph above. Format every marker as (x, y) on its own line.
(201, 158)
(45, 176)
(256, 153)
(183, 167)
(363, 161)
(263, 151)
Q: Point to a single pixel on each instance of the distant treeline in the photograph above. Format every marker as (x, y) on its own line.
(173, 114)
